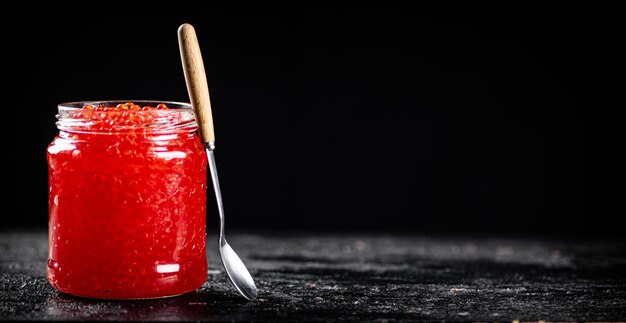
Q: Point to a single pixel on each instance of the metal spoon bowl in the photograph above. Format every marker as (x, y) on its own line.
(236, 270)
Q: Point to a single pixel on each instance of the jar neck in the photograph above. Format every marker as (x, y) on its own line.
(73, 119)
(127, 136)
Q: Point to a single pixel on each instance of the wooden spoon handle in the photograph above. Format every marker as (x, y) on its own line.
(195, 77)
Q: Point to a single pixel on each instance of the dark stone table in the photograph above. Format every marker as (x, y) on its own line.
(356, 277)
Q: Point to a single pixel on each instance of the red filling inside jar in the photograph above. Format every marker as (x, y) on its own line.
(127, 203)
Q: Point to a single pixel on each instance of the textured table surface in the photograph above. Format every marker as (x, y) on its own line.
(356, 277)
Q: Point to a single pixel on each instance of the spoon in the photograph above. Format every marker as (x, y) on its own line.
(198, 89)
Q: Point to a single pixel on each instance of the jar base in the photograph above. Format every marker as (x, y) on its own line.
(120, 298)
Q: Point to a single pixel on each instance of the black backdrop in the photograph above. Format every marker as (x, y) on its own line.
(427, 118)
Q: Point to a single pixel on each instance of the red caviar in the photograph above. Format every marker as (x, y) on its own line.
(127, 202)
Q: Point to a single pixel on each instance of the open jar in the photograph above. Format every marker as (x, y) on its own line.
(127, 200)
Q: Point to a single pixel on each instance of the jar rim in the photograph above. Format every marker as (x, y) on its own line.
(178, 117)
(71, 105)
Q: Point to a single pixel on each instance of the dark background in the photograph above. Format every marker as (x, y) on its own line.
(418, 118)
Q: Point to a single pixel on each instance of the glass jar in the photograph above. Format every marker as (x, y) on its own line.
(127, 200)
